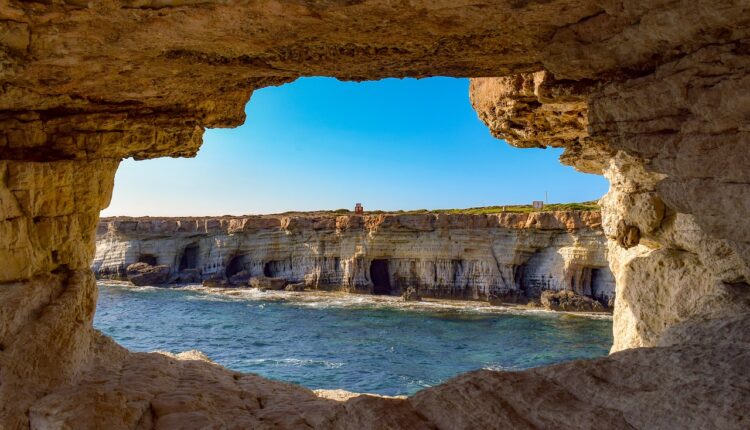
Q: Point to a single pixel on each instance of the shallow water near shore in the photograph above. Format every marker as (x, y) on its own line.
(359, 343)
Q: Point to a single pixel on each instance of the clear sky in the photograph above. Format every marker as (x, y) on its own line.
(319, 143)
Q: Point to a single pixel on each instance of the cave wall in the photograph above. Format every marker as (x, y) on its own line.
(672, 146)
(651, 93)
(48, 293)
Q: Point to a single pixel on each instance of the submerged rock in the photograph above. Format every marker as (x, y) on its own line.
(411, 294)
(267, 283)
(569, 301)
(144, 274)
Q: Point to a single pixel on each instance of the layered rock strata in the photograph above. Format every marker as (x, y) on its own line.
(651, 93)
(504, 257)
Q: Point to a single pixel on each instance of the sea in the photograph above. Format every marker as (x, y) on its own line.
(359, 343)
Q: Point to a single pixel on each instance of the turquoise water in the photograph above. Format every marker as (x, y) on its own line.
(371, 344)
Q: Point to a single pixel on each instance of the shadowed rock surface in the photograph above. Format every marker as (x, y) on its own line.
(650, 93)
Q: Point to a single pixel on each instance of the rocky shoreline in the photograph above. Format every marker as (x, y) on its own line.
(552, 259)
(342, 299)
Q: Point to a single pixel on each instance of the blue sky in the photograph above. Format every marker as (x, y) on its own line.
(319, 143)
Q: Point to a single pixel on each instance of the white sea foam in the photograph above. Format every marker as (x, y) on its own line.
(499, 368)
(294, 362)
(326, 300)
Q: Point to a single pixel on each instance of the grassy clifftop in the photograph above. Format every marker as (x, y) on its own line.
(582, 206)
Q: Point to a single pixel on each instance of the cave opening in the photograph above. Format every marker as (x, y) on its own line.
(602, 285)
(518, 278)
(234, 266)
(380, 277)
(272, 268)
(351, 267)
(189, 258)
(596, 275)
(149, 259)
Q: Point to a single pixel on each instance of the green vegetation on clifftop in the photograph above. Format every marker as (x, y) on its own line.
(582, 206)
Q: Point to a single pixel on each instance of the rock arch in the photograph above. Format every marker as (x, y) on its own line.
(652, 94)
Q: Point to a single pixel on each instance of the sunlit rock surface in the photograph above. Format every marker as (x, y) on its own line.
(651, 93)
(504, 257)
(661, 232)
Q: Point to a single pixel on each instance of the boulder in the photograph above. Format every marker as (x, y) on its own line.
(569, 301)
(142, 274)
(411, 294)
(240, 278)
(299, 286)
(267, 283)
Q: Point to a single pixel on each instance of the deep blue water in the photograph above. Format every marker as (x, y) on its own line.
(358, 343)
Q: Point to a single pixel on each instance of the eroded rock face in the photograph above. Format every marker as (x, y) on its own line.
(672, 256)
(454, 256)
(47, 291)
(651, 93)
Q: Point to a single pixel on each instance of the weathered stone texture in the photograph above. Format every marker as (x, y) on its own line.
(459, 256)
(672, 145)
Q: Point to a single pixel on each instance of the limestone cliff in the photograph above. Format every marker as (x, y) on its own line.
(651, 93)
(503, 257)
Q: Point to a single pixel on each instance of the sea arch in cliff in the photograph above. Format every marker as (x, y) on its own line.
(652, 94)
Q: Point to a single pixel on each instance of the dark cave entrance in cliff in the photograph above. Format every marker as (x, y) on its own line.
(272, 268)
(234, 266)
(148, 259)
(189, 258)
(380, 277)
